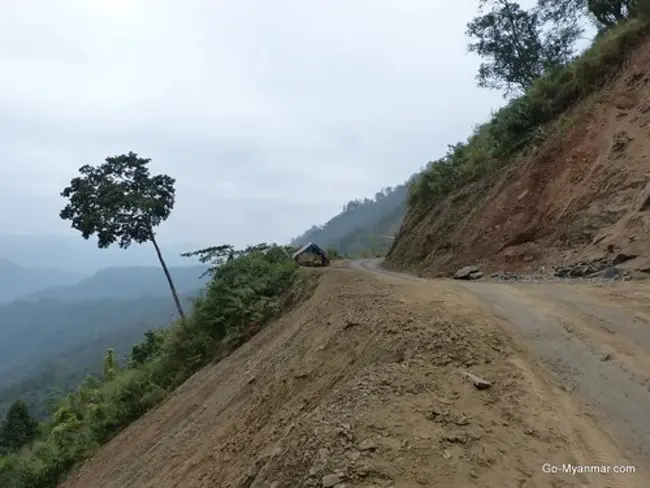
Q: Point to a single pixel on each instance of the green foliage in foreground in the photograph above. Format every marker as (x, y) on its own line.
(247, 288)
(523, 122)
(18, 429)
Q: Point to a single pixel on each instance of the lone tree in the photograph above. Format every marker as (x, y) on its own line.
(121, 202)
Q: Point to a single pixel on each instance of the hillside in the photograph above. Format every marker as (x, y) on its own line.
(123, 283)
(53, 344)
(53, 338)
(576, 188)
(362, 386)
(363, 225)
(17, 281)
(360, 375)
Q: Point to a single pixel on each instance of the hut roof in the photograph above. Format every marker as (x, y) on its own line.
(310, 247)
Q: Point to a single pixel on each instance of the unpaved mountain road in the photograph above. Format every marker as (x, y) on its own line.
(594, 338)
(361, 385)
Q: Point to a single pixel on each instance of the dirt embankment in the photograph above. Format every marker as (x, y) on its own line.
(585, 192)
(362, 386)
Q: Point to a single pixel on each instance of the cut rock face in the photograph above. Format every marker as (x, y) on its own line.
(468, 273)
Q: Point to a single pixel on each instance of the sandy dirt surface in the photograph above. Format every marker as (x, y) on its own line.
(363, 386)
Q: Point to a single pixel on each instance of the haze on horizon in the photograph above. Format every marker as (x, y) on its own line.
(269, 115)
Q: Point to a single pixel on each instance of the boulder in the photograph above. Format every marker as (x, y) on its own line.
(468, 273)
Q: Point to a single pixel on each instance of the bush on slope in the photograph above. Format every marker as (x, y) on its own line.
(247, 287)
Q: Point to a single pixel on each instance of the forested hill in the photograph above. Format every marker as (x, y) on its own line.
(363, 225)
(52, 344)
(17, 281)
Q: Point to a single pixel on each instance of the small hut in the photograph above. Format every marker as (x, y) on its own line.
(311, 255)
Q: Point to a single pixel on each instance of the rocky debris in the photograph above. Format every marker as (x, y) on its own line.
(608, 356)
(582, 269)
(331, 480)
(620, 141)
(447, 417)
(505, 276)
(462, 420)
(456, 437)
(368, 445)
(610, 274)
(622, 257)
(602, 267)
(468, 273)
(479, 383)
(351, 323)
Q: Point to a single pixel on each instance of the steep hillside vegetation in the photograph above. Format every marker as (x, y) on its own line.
(54, 337)
(246, 291)
(48, 347)
(559, 174)
(364, 226)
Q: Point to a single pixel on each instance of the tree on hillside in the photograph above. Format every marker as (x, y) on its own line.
(604, 13)
(151, 345)
(121, 202)
(18, 428)
(110, 366)
(516, 45)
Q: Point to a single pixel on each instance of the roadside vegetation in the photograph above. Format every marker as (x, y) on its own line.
(247, 289)
(529, 56)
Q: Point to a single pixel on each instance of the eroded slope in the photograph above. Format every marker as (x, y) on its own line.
(584, 192)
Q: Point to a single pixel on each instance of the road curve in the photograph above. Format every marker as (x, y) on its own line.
(592, 338)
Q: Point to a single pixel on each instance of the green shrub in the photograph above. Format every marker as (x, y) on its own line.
(247, 287)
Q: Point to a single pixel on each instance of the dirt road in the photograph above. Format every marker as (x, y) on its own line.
(593, 338)
(363, 386)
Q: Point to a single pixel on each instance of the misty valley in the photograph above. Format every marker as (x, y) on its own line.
(54, 336)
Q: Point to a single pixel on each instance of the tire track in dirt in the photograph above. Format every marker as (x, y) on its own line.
(621, 399)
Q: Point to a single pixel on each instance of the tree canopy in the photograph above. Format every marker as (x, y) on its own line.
(518, 46)
(120, 201)
(18, 429)
(603, 13)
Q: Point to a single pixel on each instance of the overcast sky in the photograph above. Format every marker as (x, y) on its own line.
(270, 115)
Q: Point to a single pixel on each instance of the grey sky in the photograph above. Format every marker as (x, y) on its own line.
(270, 115)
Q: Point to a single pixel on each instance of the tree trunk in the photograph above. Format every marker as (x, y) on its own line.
(169, 278)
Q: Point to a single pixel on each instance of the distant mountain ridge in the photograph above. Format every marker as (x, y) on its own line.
(17, 281)
(71, 253)
(126, 283)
